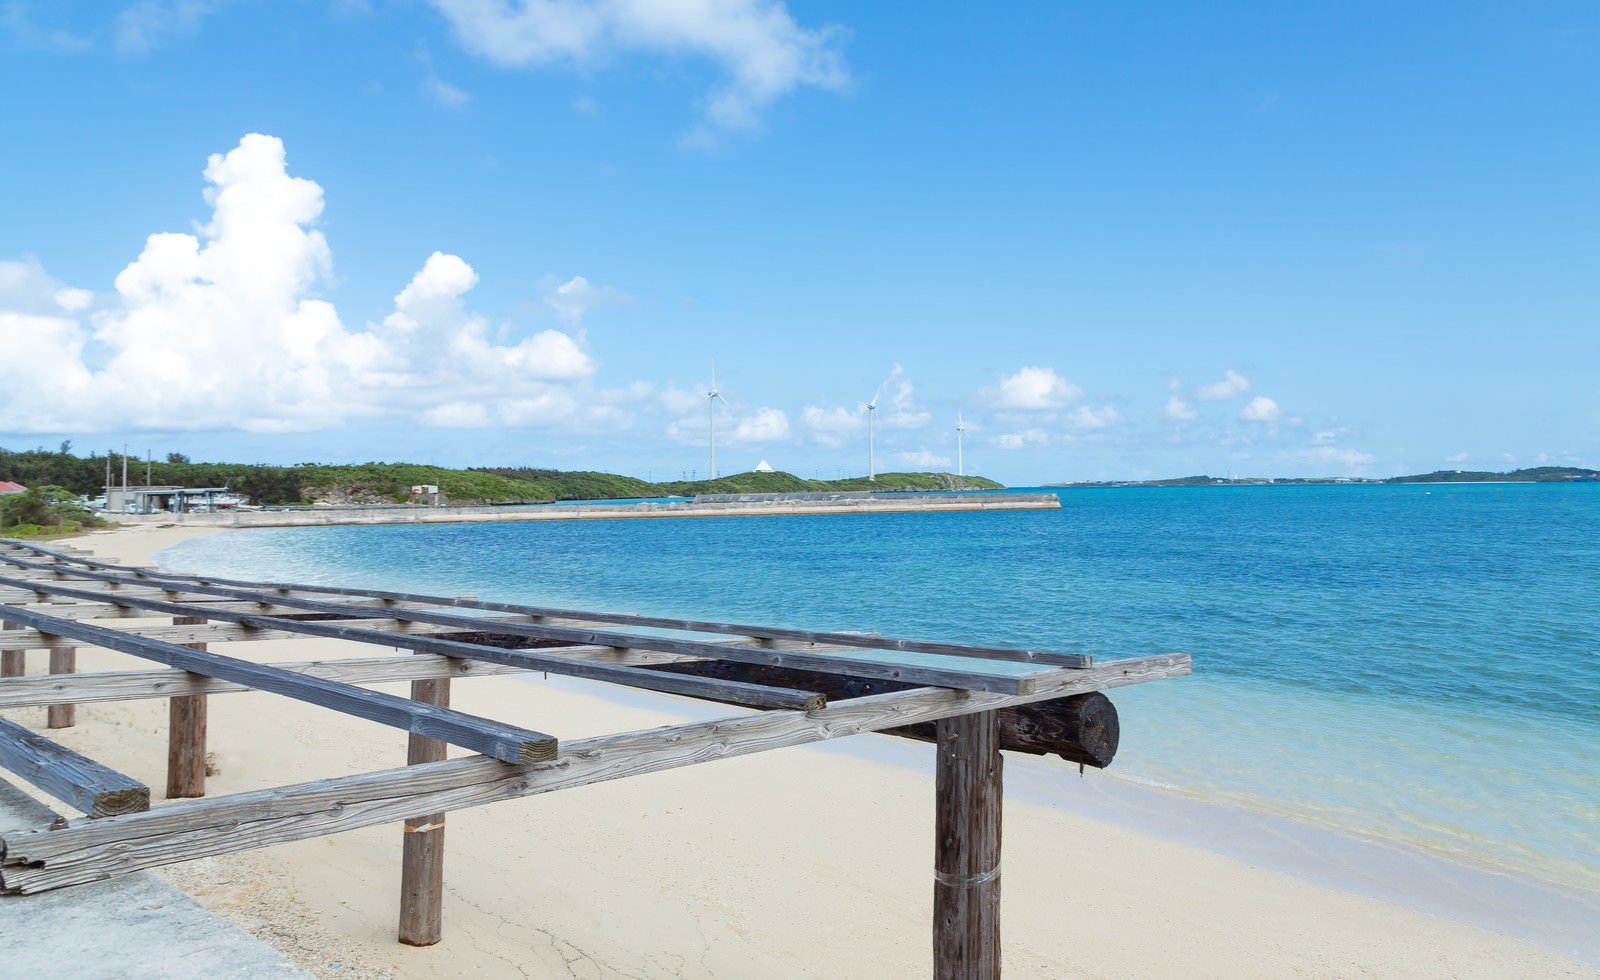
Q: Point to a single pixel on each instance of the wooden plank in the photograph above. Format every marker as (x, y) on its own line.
(716, 690)
(859, 640)
(81, 782)
(505, 742)
(86, 851)
(422, 848)
(957, 677)
(62, 661)
(966, 880)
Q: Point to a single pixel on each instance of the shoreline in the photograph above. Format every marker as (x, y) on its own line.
(1129, 851)
(771, 505)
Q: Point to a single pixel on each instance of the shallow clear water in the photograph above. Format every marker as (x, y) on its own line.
(1418, 663)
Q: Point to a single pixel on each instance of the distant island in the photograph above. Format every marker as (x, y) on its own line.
(1537, 474)
(391, 483)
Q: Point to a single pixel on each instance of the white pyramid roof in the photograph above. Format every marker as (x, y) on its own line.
(763, 467)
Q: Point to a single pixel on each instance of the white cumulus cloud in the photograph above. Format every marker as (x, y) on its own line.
(763, 52)
(765, 425)
(831, 426)
(224, 329)
(572, 299)
(1021, 440)
(1179, 410)
(924, 459)
(1260, 409)
(1036, 388)
(1231, 385)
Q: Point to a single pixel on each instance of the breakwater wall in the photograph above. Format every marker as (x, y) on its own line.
(724, 505)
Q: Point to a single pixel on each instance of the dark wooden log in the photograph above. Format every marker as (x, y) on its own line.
(422, 858)
(186, 736)
(966, 886)
(93, 788)
(1082, 728)
(63, 660)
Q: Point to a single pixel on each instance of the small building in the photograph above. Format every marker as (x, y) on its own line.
(171, 500)
(763, 467)
(6, 486)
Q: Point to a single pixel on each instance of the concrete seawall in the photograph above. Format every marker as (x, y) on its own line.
(749, 505)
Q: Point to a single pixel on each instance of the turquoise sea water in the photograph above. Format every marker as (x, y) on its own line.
(1418, 664)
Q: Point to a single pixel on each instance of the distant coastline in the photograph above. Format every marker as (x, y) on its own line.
(1538, 474)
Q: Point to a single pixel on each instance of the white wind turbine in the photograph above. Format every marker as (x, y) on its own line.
(872, 412)
(961, 468)
(712, 397)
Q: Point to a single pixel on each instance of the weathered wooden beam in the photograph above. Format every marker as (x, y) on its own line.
(104, 605)
(63, 660)
(82, 782)
(209, 632)
(956, 677)
(507, 743)
(858, 640)
(133, 685)
(1081, 729)
(13, 663)
(38, 860)
(966, 878)
(422, 847)
(186, 737)
(716, 690)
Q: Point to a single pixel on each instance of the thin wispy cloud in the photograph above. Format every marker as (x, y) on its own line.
(148, 24)
(762, 51)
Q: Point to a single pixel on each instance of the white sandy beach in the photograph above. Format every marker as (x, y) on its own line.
(796, 863)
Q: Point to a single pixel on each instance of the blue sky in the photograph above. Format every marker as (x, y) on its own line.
(1120, 240)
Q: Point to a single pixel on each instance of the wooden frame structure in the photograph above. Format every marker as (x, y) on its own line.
(796, 686)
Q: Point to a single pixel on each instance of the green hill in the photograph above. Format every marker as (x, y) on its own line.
(380, 483)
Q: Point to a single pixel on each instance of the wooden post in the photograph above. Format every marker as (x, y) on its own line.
(186, 737)
(422, 858)
(13, 663)
(63, 660)
(966, 890)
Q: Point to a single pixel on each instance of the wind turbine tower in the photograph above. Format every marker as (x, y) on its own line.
(712, 396)
(961, 466)
(872, 412)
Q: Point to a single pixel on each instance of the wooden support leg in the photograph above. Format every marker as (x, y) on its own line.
(63, 661)
(186, 738)
(13, 663)
(422, 860)
(966, 890)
